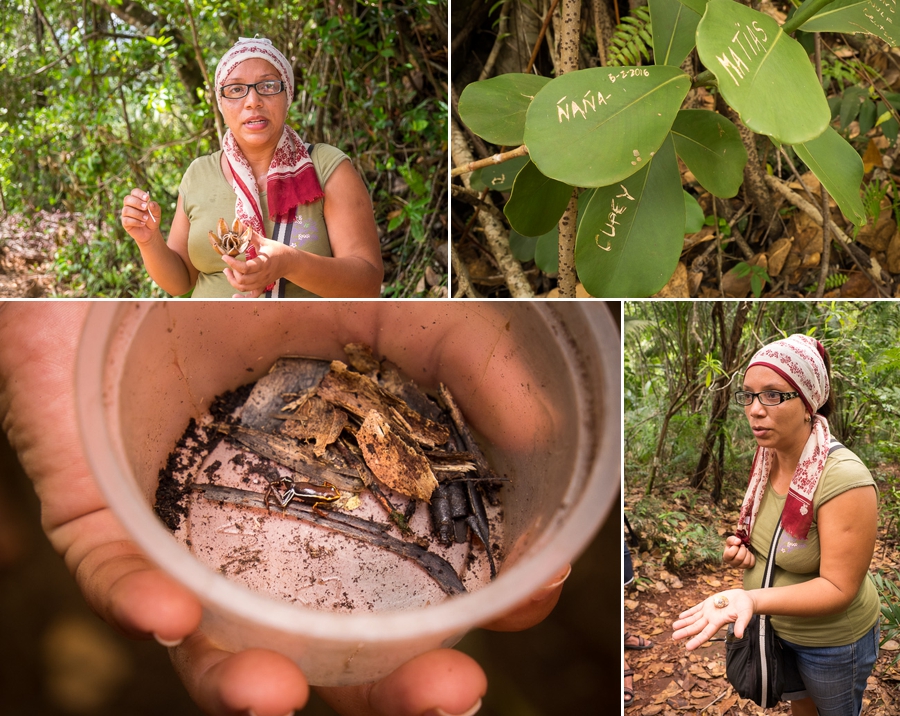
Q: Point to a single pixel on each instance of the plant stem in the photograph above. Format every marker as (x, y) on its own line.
(803, 14)
(520, 151)
(568, 62)
(704, 79)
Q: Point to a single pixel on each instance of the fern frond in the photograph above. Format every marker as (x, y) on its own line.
(632, 39)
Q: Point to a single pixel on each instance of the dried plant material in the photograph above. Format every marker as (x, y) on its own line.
(294, 375)
(360, 356)
(359, 395)
(481, 464)
(392, 461)
(233, 242)
(316, 420)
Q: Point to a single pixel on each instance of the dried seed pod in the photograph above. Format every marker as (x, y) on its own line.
(233, 242)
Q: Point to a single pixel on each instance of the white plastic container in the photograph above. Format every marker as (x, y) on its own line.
(540, 383)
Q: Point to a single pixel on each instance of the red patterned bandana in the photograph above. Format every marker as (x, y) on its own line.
(799, 360)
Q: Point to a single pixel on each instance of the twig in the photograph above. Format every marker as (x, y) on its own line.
(498, 158)
(540, 38)
(372, 533)
(220, 128)
(476, 200)
(498, 42)
(782, 188)
(464, 285)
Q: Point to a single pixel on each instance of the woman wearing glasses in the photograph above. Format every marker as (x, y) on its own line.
(824, 609)
(312, 229)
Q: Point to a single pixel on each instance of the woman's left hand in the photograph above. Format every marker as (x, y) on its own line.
(703, 620)
(255, 275)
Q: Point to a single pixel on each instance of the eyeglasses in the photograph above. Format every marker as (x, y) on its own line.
(766, 397)
(266, 88)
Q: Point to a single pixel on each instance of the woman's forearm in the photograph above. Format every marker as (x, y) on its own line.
(165, 266)
(345, 277)
(818, 597)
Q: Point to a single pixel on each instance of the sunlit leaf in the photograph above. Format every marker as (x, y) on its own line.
(536, 203)
(595, 127)
(495, 109)
(764, 74)
(632, 232)
(876, 17)
(840, 169)
(711, 147)
(674, 27)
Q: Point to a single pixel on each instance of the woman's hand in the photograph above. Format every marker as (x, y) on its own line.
(140, 216)
(265, 264)
(703, 620)
(737, 554)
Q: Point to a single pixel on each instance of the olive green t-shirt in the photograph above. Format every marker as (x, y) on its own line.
(206, 197)
(798, 561)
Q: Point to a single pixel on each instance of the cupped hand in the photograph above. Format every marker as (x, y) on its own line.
(703, 620)
(264, 265)
(141, 601)
(140, 216)
(737, 554)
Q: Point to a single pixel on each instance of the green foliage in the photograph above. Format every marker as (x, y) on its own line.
(832, 281)
(682, 538)
(888, 586)
(632, 39)
(758, 276)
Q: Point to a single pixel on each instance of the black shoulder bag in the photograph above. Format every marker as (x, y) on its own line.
(754, 664)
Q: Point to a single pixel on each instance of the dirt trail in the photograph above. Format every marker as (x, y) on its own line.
(670, 681)
(27, 248)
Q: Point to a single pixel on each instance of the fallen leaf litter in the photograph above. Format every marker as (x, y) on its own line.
(379, 447)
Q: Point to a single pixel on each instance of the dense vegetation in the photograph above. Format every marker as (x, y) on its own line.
(102, 96)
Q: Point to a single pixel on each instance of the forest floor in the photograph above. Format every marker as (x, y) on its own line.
(670, 681)
(27, 248)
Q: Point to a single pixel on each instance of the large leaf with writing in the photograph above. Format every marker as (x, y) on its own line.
(711, 147)
(537, 202)
(674, 26)
(495, 109)
(876, 17)
(595, 127)
(840, 169)
(764, 74)
(632, 232)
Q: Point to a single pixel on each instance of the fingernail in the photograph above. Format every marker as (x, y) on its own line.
(144, 205)
(166, 642)
(251, 712)
(440, 712)
(548, 589)
(146, 196)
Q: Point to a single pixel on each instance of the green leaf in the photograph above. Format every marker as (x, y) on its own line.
(866, 116)
(498, 177)
(711, 147)
(674, 26)
(546, 253)
(632, 232)
(840, 169)
(762, 73)
(595, 127)
(537, 202)
(876, 17)
(698, 6)
(522, 247)
(851, 100)
(495, 109)
(693, 215)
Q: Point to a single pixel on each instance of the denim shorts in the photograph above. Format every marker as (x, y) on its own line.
(834, 677)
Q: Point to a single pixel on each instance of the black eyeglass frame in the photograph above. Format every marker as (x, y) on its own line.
(781, 397)
(255, 86)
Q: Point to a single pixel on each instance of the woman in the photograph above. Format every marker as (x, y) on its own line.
(292, 195)
(824, 609)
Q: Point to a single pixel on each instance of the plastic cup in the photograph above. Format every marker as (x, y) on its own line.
(539, 382)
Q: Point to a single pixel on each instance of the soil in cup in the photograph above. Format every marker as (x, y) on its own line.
(339, 486)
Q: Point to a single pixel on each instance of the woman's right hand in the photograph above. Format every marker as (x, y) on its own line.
(737, 554)
(140, 216)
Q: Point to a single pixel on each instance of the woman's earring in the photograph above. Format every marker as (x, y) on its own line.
(808, 418)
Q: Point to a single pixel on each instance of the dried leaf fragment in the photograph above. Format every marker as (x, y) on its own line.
(316, 420)
(392, 461)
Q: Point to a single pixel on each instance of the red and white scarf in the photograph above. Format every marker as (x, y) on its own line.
(800, 361)
(291, 179)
